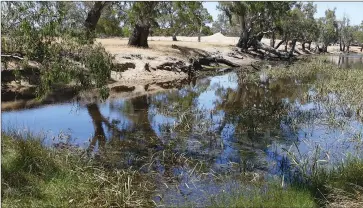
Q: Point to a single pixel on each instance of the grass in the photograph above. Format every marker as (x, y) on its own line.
(35, 176)
(341, 186)
(326, 78)
(271, 195)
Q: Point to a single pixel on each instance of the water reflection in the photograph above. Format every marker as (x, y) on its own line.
(347, 61)
(221, 124)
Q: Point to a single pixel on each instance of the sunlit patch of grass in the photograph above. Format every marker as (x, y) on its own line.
(35, 176)
(268, 195)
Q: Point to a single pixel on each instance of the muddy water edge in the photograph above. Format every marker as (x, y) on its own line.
(203, 137)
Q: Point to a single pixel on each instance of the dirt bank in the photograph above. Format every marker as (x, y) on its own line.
(160, 52)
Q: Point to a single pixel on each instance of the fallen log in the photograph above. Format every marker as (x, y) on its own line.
(272, 50)
(11, 56)
(208, 60)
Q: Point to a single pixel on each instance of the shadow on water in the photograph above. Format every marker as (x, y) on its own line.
(219, 125)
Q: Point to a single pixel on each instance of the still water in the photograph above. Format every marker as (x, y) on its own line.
(226, 124)
(348, 60)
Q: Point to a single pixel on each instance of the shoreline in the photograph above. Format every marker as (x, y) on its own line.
(140, 71)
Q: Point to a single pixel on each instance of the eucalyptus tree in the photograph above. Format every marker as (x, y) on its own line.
(199, 15)
(111, 19)
(92, 18)
(346, 32)
(222, 24)
(141, 15)
(310, 28)
(255, 19)
(294, 27)
(299, 25)
(275, 14)
(180, 16)
(358, 35)
(328, 29)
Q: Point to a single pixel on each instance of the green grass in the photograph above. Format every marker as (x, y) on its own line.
(341, 186)
(35, 176)
(271, 195)
(326, 78)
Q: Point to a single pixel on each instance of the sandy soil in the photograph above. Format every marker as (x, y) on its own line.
(160, 51)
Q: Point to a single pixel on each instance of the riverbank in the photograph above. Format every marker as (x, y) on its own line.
(137, 72)
(140, 71)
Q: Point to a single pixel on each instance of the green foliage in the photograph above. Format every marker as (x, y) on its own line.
(223, 25)
(108, 27)
(126, 32)
(40, 33)
(142, 12)
(256, 19)
(207, 31)
(185, 18)
(358, 36)
(328, 28)
(112, 16)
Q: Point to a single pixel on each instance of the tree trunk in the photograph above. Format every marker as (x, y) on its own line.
(292, 48)
(309, 46)
(280, 43)
(324, 48)
(139, 35)
(348, 48)
(176, 32)
(343, 47)
(340, 44)
(174, 37)
(272, 40)
(92, 18)
(287, 42)
(361, 48)
(243, 40)
(200, 32)
(303, 46)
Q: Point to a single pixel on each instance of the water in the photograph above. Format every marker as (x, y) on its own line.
(223, 125)
(347, 60)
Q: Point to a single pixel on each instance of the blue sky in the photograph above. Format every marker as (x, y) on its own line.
(354, 10)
